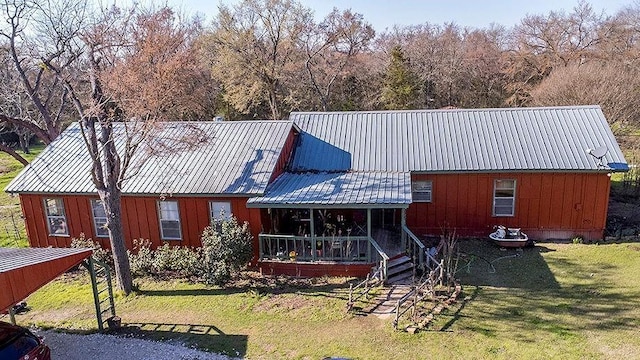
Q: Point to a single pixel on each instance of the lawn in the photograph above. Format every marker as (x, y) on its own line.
(12, 232)
(569, 301)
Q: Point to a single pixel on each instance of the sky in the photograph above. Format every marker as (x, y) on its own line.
(384, 14)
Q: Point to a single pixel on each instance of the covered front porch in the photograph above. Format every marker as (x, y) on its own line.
(330, 234)
(341, 240)
(343, 223)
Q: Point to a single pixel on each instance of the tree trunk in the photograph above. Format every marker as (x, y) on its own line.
(13, 153)
(24, 143)
(112, 205)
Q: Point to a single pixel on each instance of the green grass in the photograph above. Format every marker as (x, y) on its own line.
(568, 301)
(12, 232)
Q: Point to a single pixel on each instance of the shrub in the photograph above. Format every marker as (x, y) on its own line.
(183, 261)
(100, 254)
(141, 261)
(226, 249)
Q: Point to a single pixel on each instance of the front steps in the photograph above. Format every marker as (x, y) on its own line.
(400, 270)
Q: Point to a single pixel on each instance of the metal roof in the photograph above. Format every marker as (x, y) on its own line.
(15, 258)
(361, 189)
(518, 139)
(23, 271)
(229, 157)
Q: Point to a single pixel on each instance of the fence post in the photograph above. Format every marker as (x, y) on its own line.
(350, 303)
(395, 322)
(366, 287)
(441, 272)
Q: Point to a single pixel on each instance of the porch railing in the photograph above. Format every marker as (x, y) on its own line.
(415, 247)
(305, 248)
(423, 258)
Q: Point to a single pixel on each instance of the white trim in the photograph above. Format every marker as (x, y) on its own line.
(422, 191)
(170, 220)
(510, 199)
(60, 218)
(96, 227)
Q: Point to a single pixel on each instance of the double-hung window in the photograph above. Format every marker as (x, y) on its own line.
(421, 191)
(99, 218)
(504, 197)
(219, 210)
(56, 219)
(169, 220)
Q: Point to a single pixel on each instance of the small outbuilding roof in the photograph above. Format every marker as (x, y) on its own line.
(358, 189)
(224, 157)
(453, 140)
(23, 271)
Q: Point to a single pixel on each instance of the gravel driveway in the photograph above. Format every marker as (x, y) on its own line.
(108, 347)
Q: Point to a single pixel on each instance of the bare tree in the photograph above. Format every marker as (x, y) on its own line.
(542, 43)
(253, 47)
(36, 33)
(612, 85)
(120, 71)
(331, 49)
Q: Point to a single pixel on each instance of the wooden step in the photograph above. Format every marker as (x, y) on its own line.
(399, 269)
(398, 261)
(400, 277)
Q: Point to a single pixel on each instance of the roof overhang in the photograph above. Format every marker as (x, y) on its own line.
(25, 270)
(337, 190)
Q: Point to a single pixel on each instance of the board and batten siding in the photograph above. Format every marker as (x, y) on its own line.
(547, 205)
(139, 217)
(285, 155)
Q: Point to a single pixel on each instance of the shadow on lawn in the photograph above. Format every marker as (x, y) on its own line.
(266, 286)
(204, 337)
(521, 290)
(483, 264)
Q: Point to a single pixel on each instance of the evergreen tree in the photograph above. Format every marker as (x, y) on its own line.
(400, 90)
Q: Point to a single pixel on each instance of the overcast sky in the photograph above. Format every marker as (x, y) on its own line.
(384, 14)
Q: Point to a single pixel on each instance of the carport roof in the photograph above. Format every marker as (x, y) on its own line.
(25, 270)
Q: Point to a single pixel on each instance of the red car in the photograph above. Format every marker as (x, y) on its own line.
(18, 343)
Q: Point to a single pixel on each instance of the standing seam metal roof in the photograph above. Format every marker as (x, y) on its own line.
(503, 139)
(180, 158)
(352, 188)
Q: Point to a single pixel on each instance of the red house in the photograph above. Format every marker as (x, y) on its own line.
(337, 192)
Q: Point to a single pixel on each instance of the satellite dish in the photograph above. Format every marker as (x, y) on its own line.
(598, 153)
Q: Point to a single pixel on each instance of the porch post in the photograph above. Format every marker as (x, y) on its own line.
(369, 234)
(312, 232)
(403, 224)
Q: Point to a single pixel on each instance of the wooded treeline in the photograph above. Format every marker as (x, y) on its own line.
(269, 58)
(261, 59)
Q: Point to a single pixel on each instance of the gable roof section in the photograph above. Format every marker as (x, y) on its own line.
(233, 158)
(360, 189)
(503, 139)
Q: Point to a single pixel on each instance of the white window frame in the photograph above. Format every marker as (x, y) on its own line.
(214, 213)
(505, 201)
(165, 219)
(422, 191)
(99, 220)
(57, 220)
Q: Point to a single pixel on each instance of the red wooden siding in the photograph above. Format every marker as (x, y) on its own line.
(285, 155)
(18, 283)
(547, 205)
(139, 216)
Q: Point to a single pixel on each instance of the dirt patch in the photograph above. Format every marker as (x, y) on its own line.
(281, 303)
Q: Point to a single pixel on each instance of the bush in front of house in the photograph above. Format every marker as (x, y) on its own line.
(181, 262)
(226, 247)
(100, 254)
